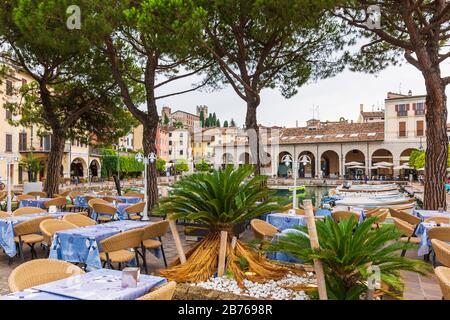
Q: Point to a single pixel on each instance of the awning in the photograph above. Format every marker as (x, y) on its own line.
(354, 163)
(383, 164)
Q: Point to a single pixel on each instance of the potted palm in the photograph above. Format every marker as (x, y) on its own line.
(32, 166)
(221, 200)
(347, 250)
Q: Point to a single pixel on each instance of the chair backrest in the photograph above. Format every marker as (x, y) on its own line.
(444, 220)
(342, 215)
(58, 202)
(443, 276)
(62, 194)
(111, 199)
(440, 233)
(135, 208)
(262, 229)
(96, 200)
(442, 251)
(37, 194)
(164, 292)
(74, 194)
(30, 226)
(79, 220)
(380, 214)
(101, 208)
(24, 197)
(405, 216)
(4, 214)
(28, 210)
(404, 227)
(154, 230)
(134, 194)
(3, 195)
(124, 240)
(50, 226)
(105, 193)
(40, 271)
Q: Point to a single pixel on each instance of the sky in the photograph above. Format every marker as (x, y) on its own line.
(332, 98)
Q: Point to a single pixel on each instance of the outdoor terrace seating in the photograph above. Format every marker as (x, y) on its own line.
(165, 292)
(115, 248)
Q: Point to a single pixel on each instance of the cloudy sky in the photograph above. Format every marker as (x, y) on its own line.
(336, 97)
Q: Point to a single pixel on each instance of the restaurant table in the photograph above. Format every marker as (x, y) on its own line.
(81, 201)
(7, 229)
(82, 245)
(422, 232)
(38, 203)
(283, 221)
(101, 284)
(281, 256)
(425, 214)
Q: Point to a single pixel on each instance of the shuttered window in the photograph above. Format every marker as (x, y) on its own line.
(8, 143)
(419, 128)
(402, 129)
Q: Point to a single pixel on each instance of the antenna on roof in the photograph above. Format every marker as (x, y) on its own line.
(400, 88)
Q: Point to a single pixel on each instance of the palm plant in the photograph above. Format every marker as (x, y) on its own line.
(221, 200)
(347, 250)
(32, 165)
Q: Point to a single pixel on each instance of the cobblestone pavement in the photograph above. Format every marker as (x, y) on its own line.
(416, 287)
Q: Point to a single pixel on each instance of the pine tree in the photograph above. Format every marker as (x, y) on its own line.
(202, 119)
(225, 124)
(232, 123)
(166, 119)
(218, 123)
(207, 123)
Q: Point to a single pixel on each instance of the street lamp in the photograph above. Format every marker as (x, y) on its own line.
(287, 159)
(9, 161)
(149, 159)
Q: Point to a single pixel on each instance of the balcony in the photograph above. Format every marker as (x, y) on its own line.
(95, 151)
(402, 113)
(419, 112)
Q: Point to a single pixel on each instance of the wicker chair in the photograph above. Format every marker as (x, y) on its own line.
(134, 194)
(338, 216)
(152, 231)
(105, 193)
(440, 220)
(438, 233)
(4, 214)
(60, 203)
(381, 216)
(407, 230)
(105, 213)
(79, 220)
(164, 292)
(28, 232)
(262, 229)
(28, 210)
(24, 197)
(441, 250)
(133, 211)
(114, 249)
(405, 216)
(62, 194)
(443, 276)
(50, 226)
(37, 194)
(40, 271)
(111, 199)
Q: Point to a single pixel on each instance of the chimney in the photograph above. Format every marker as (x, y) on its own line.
(361, 107)
(410, 93)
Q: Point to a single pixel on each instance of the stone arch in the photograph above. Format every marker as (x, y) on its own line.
(405, 154)
(283, 170)
(308, 170)
(329, 163)
(94, 168)
(245, 158)
(78, 167)
(382, 155)
(355, 171)
(266, 160)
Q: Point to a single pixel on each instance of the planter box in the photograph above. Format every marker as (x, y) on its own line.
(185, 291)
(32, 186)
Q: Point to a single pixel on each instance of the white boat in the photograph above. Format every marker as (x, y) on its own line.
(367, 188)
(394, 202)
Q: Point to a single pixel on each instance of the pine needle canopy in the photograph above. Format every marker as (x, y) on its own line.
(222, 198)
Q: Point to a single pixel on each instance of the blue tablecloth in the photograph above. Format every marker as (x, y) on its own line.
(102, 284)
(422, 232)
(281, 256)
(7, 229)
(81, 201)
(284, 221)
(424, 214)
(33, 203)
(82, 245)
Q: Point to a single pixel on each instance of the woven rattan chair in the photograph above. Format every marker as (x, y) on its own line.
(115, 248)
(105, 213)
(4, 214)
(79, 220)
(440, 220)
(133, 212)
(28, 210)
(381, 215)
(134, 194)
(60, 203)
(50, 226)
(441, 250)
(155, 230)
(262, 229)
(37, 194)
(111, 199)
(62, 194)
(40, 271)
(164, 292)
(405, 216)
(24, 197)
(443, 276)
(407, 230)
(28, 232)
(440, 233)
(105, 193)
(338, 216)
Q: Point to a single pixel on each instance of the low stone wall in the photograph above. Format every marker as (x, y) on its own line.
(187, 292)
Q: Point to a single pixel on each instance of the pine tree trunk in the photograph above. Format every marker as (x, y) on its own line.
(148, 142)
(51, 185)
(437, 144)
(251, 123)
